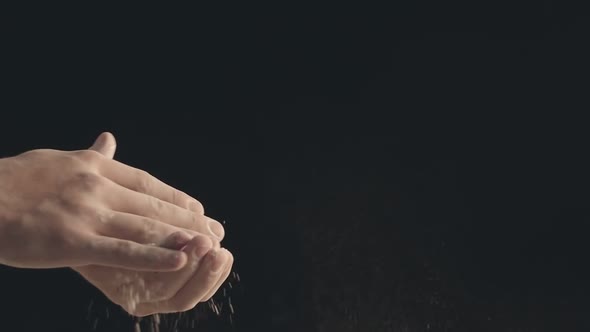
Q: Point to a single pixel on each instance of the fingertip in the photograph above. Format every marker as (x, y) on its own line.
(215, 228)
(105, 144)
(178, 260)
(217, 260)
(182, 238)
(201, 240)
(108, 137)
(177, 240)
(172, 261)
(110, 143)
(199, 246)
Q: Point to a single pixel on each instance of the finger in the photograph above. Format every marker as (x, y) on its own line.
(140, 286)
(216, 271)
(194, 290)
(127, 226)
(140, 181)
(130, 255)
(105, 144)
(170, 283)
(177, 240)
(129, 201)
(221, 280)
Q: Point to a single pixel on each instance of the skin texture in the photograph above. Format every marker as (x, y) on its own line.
(147, 246)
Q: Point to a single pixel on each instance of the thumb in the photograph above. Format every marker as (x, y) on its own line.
(105, 144)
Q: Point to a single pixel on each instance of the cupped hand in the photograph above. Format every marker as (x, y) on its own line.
(78, 208)
(143, 293)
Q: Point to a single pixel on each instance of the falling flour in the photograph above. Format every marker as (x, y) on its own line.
(134, 291)
(220, 306)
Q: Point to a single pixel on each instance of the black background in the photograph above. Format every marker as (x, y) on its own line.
(380, 168)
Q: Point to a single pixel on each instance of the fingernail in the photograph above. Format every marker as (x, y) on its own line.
(217, 264)
(216, 228)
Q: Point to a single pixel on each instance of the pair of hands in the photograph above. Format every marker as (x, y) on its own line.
(147, 246)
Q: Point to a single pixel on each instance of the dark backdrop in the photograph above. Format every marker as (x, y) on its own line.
(415, 168)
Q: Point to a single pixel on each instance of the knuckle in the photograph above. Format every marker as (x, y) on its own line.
(180, 198)
(88, 182)
(157, 207)
(195, 223)
(149, 228)
(81, 187)
(144, 181)
(123, 247)
(160, 205)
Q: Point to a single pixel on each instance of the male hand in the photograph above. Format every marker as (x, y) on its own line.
(78, 208)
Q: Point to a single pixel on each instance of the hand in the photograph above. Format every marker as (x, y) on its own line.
(76, 208)
(145, 293)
